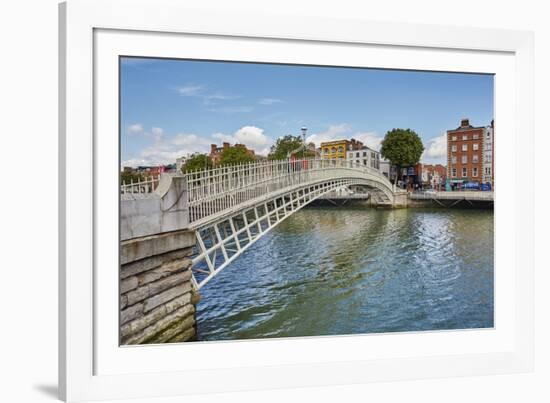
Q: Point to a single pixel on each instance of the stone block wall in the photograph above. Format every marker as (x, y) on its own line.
(157, 299)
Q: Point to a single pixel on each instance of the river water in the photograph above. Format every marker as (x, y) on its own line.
(348, 270)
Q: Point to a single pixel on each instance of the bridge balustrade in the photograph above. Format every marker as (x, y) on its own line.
(212, 191)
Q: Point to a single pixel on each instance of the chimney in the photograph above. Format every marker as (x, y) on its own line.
(213, 148)
(465, 123)
(225, 146)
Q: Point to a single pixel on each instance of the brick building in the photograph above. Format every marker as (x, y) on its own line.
(216, 152)
(488, 154)
(434, 176)
(465, 154)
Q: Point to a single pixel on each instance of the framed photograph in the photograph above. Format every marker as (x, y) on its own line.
(243, 208)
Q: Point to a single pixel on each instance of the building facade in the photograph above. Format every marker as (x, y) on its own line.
(385, 167)
(488, 154)
(216, 152)
(365, 157)
(434, 176)
(465, 154)
(338, 149)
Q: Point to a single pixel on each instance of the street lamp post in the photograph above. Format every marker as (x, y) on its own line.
(304, 130)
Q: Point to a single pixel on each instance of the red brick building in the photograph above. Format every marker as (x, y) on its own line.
(465, 154)
(434, 176)
(216, 152)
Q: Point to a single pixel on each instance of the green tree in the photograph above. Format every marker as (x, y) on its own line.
(131, 176)
(402, 147)
(235, 155)
(197, 162)
(283, 146)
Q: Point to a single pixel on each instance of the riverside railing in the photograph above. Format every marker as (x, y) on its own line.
(147, 185)
(212, 191)
(454, 195)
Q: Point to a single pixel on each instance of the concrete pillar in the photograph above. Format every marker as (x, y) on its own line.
(157, 299)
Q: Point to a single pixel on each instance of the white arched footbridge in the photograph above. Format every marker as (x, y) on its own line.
(230, 208)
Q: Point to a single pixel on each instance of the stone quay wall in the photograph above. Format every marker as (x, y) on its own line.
(157, 299)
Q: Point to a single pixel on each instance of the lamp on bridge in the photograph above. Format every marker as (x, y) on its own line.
(304, 130)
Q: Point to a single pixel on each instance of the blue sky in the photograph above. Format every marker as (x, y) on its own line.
(171, 108)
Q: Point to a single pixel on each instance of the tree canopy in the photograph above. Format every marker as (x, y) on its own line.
(283, 146)
(131, 176)
(235, 155)
(402, 147)
(196, 162)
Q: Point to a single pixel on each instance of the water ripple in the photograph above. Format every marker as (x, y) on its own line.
(351, 270)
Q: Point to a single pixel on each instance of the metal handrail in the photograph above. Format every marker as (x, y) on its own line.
(211, 191)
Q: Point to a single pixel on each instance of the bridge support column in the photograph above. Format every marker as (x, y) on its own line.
(400, 200)
(157, 299)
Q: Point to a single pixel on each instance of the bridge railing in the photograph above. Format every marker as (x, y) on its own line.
(215, 190)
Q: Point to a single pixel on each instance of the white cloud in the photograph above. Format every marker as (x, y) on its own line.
(164, 150)
(344, 131)
(269, 101)
(190, 90)
(135, 128)
(436, 150)
(200, 91)
(232, 109)
(218, 96)
(370, 139)
(334, 132)
(157, 133)
(251, 136)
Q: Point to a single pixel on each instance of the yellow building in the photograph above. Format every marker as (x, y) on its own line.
(337, 149)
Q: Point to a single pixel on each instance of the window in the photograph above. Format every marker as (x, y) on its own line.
(364, 153)
(488, 146)
(340, 149)
(487, 171)
(333, 150)
(464, 147)
(325, 150)
(464, 159)
(373, 155)
(475, 136)
(464, 172)
(474, 172)
(488, 158)
(454, 173)
(358, 162)
(464, 137)
(453, 159)
(488, 135)
(475, 147)
(453, 147)
(475, 158)
(357, 155)
(453, 138)
(364, 162)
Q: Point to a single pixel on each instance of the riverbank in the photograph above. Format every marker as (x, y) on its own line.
(411, 203)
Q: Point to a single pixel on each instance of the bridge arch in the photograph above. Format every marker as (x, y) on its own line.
(254, 209)
(229, 208)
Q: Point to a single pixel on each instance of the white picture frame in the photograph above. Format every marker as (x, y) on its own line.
(93, 366)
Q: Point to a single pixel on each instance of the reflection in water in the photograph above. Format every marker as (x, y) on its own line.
(327, 271)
